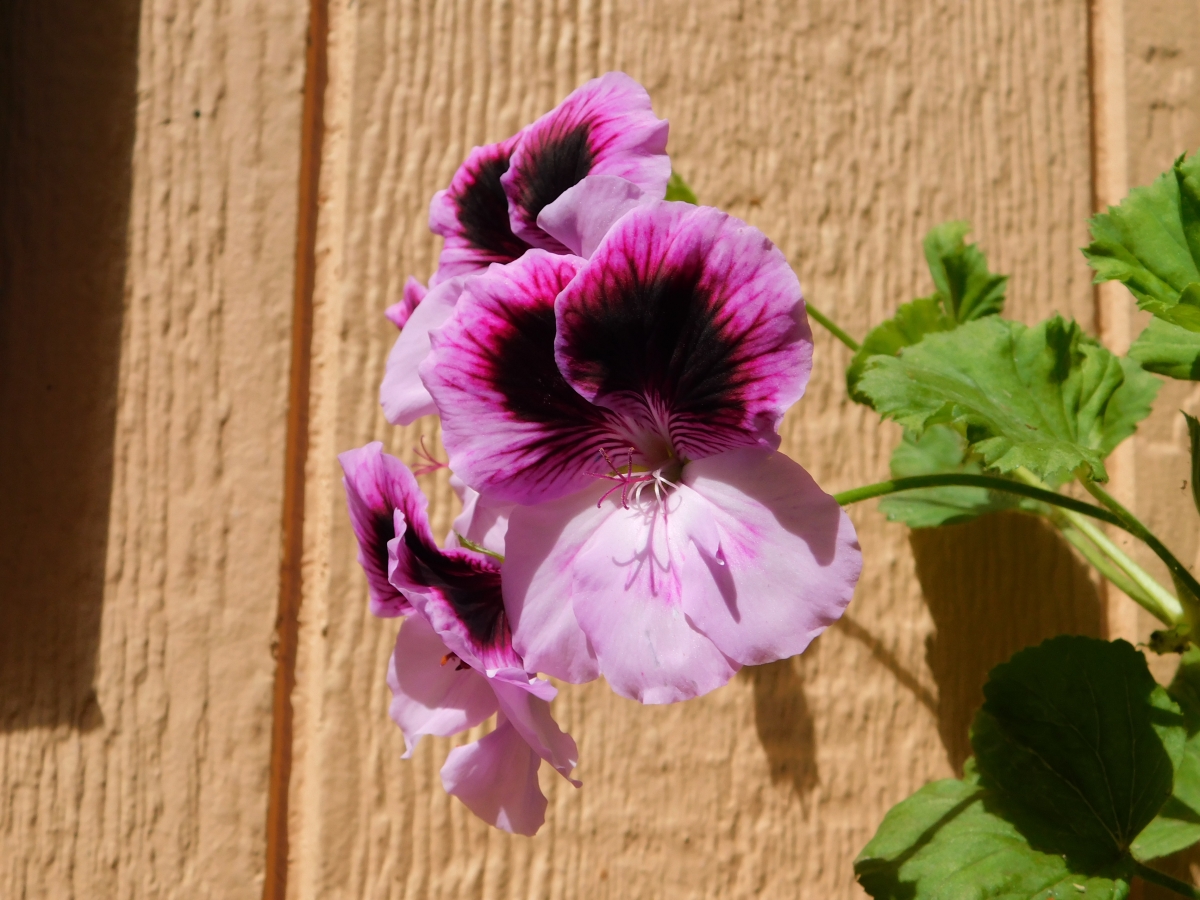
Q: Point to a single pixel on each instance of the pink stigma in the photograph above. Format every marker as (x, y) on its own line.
(429, 464)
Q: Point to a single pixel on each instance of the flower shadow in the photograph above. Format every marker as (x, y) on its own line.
(784, 723)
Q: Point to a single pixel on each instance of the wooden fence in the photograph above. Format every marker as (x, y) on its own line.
(205, 207)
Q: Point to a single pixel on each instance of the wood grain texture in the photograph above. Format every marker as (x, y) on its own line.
(155, 786)
(843, 130)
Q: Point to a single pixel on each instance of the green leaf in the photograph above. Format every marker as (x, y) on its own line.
(677, 189)
(910, 324)
(1077, 733)
(965, 287)
(1167, 349)
(1193, 425)
(954, 839)
(1151, 242)
(1048, 398)
(965, 290)
(941, 449)
(1177, 825)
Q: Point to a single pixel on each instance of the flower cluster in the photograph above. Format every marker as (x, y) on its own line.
(610, 369)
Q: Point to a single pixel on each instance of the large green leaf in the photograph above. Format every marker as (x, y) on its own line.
(941, 449)
(1048, 398)
(1077, 733)
(1151, 243)
(964, 290)
(1177, 825)
(953, 839)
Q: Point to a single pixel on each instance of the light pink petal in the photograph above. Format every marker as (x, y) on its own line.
(375, 485)
(513, 428)
(605, 127)
(481, 521)
(399, 313)
(472, 215)
(623, 573)
(536, 578)
(581, 217)
(402, 395)
(788, 560)
(430, 694)
(689, 321)
(531, 717)
(496, 777)
(458, 591)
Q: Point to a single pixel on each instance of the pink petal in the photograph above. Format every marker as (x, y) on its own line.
(457, 590)
(402, 395)
(513, 428)
(472, 215)
(496, 777)
(623, 570)
(788, 559)
(375, 484)
(689, 320)
(605, 127)
(430, 695)
(581, 217)
(399, 313)
(483, 522)
(531, 717)
(537, 579)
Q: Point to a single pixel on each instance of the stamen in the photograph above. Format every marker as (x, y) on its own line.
(627, 480)
(431, 464)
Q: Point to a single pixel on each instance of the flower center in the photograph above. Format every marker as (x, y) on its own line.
(633, 480)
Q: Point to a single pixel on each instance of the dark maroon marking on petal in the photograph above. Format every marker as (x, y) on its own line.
(552, 166)
(663, 340)
(469, 583)
(483, 212)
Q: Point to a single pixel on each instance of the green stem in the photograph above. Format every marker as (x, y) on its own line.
(1105, 566)
(1134, 526)
(832, 327)
(866, 492)
(1162, 879)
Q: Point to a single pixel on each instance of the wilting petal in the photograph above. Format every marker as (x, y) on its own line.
(430, 693)
(623, 570)
(531, 717)
(581, 217)
(481, 521)
(402, 395)
(538, 572)
(375, 484)
(605, 127)
(690, 322)
(496, 777)
(513, 428)
(472, 215)
(457, 590)
(788, 558)
(399, 313)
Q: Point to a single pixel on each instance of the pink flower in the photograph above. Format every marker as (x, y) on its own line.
(454, 665)
(399, 313)
(491, 212)
(630, 403)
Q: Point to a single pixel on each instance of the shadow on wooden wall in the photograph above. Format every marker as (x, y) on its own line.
(985, 606)
(68, 94)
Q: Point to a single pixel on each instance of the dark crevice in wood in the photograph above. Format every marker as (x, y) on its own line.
(290, 583)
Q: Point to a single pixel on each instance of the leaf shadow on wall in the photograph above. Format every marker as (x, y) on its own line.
(994, 586)
(68, 104)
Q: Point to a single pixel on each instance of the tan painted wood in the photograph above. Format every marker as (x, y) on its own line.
(150, 171)
(844, 131)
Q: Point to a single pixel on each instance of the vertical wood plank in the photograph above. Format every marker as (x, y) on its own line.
(160, 788)
(844, 131)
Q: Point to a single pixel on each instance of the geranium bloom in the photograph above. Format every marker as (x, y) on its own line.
(454, 664)
(490, 213)
(630, 404)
